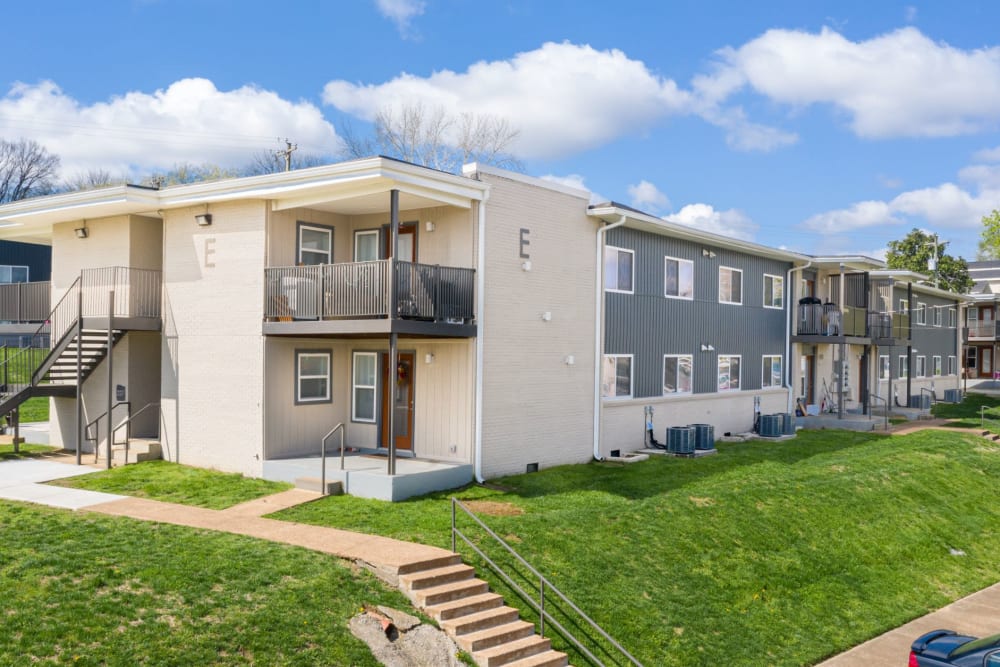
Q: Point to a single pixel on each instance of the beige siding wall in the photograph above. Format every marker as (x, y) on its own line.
(282, 234)
(536, 407)
(213, 348)
(623, 424)
(443, 398)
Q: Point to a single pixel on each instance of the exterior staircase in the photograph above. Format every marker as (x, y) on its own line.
(479, 622)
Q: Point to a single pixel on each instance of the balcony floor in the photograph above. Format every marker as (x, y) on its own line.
(365, 476)
(368, 327)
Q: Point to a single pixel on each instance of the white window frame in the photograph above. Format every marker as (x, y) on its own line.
(679, 261)
(9, 270)
(921, 370)
(690, 360)
(936, 365)
(735, 270)
(718, 372)
(616, 288)
(904, 367)
(952, 318)
(952, 364)
(314, 228)
(355, 387)
(365, 232)
(920, 313)
(904, 306)
(883, 367)
(614, 384)
(936, 316)
(299, 377)
(778, 281)
(767, 370)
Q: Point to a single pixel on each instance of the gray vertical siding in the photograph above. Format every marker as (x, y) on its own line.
(648, 325)
(930, 340)
(38, 258)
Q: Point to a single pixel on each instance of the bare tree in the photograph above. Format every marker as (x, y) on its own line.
(92, 179)
(435, 138)
(27, 169)
(271, 162)
(188, 172)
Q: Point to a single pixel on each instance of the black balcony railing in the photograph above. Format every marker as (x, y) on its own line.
(25, 302)
(816, 319)
(358, 290)
(884, 326)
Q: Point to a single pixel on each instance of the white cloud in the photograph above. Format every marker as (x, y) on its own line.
(910, 14)
(646, 196)
(898, 84)
(860, 215)
(401, 12)
(190, 121)
(575, 181)
(564, 98)
(988, 155)
(732, 223)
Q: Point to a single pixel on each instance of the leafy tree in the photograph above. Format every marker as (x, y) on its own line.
(989, 237)
(27, 169)
(435, 138)
(913, 252)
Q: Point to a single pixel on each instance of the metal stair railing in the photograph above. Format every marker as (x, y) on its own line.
(127, 424)
(322, 446)
(97, 431)
(544, 586)
(876, 397)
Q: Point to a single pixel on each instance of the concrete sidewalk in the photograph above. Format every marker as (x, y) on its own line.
(22, 479)
(977, 615)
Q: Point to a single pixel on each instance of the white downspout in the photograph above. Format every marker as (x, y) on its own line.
(599, 330)
(788, 333)
(480, 321)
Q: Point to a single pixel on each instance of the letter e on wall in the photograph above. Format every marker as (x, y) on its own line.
(524, 243)
(210, 252)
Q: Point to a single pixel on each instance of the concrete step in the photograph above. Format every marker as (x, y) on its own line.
(547, 659)
(446, 592)
(464, 606)
(430, 564)
(436, 577)
(333, 487)
(480, 620)
(139, 450)
(495, 636)
(505, 654)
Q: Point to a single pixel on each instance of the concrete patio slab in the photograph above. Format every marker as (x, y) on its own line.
(22, 479)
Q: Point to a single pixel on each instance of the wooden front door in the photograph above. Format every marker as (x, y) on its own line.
(972, 361)
(397, 395)
(407, 242)
(808, 378)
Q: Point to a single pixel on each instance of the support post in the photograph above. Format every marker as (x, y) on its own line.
(111, 367)
(843, 348)
(17, 429)
(79, 376)
(393, 365)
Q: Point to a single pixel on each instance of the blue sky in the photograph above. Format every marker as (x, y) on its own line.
(824, 127)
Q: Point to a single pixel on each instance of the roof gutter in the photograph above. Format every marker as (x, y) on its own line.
(599, 328)
(788, 331)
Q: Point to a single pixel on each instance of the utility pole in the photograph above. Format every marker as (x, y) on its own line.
(287, 153)
(932, 263)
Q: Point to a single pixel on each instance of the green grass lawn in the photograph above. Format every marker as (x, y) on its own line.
(777, 553)
(25, 450)
(173, 483)
(975, 411)
(84, 589)
(35, 410)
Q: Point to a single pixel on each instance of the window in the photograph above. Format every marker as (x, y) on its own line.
(730, 285)
(904, 367)
(312, 376)
(677, 373)
(315, 244)
(678, 278)
(904, 307)
(13, 274)
(618, 269)
(936, 315)
(952, 318)
(616, 376)
(771, 371)
(952, 366)
(366, 246)
(936, 361)
(883, 367)
(920, 313)
(729, 372)
(921, 366)
(363, 387)
(774, 291)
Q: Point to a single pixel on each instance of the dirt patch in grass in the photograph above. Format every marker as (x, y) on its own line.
(493, 508)
(702, 502)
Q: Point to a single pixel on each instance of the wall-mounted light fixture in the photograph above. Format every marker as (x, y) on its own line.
(204, 219)
(429, 358)
(82, 232)
(547, 316)
(705, 252)
(570, 360)
(429, 225)
(526, 265)
(707, 347)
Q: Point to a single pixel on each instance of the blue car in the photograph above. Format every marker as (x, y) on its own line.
(945, 648)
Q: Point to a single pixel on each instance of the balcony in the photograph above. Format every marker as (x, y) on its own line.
(888, 326)
(355, 298)
(25, 302)
(981, 330)
(830, 321)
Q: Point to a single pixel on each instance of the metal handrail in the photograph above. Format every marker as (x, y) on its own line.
(322, 445)
(128, 425)
(97, 434)
(885, 402)
(931, 392)
(543, 584)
